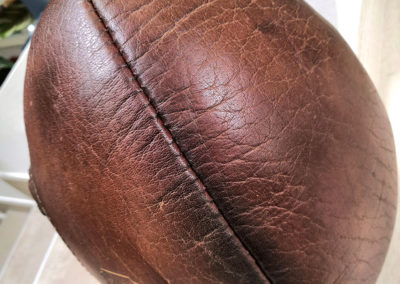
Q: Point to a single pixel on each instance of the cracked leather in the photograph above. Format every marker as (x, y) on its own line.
(208, 142)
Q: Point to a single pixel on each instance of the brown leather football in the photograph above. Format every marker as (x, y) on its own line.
(208, 142)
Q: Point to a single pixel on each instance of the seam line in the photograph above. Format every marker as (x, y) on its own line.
(171, 142)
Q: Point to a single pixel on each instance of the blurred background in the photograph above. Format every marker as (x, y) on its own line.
(30, 249)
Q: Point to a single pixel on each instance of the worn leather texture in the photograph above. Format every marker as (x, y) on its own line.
(208, 142)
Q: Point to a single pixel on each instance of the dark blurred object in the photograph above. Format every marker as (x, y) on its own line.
(36, 7)
(4, 63)
(15, 24)
(14, 17)
(5, 67)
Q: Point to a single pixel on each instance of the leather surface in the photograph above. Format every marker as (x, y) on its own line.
(208, 142)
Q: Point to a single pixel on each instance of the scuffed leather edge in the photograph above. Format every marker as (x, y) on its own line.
(34, 191)
(35, 194)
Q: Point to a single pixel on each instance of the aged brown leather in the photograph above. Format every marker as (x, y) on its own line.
(208, 142)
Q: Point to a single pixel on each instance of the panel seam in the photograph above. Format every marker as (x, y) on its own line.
(175, 147)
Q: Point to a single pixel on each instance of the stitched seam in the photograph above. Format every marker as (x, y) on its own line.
(168, 135)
